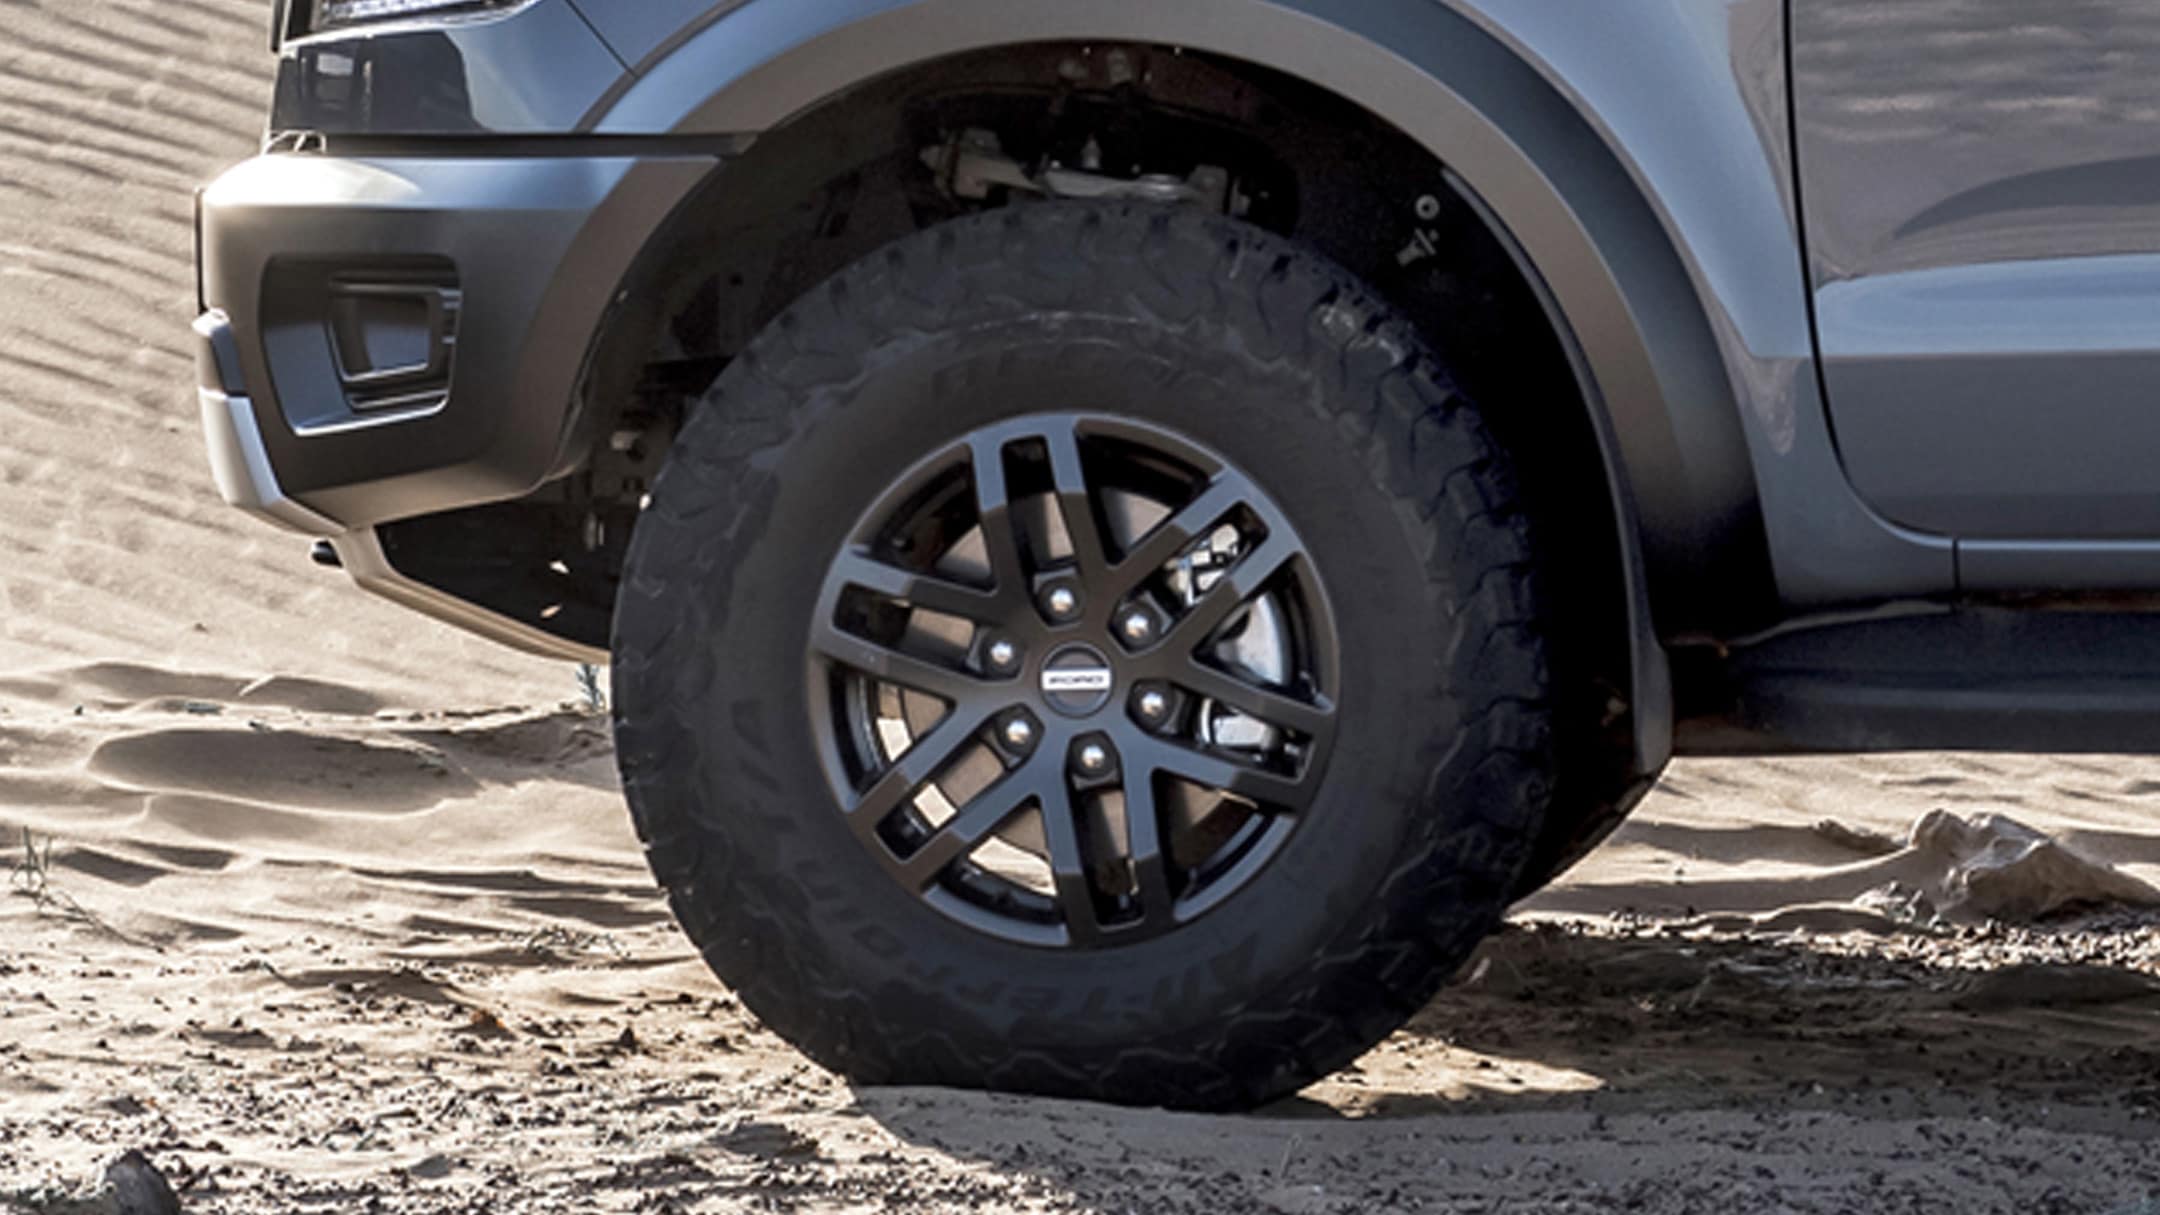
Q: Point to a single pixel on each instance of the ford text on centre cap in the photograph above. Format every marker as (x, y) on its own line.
(1077, 681)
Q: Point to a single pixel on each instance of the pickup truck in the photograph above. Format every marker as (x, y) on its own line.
(1128, 534)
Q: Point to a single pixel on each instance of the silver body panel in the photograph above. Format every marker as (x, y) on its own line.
(1983, 212)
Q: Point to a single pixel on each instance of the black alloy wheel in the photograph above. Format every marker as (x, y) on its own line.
(1070, 678)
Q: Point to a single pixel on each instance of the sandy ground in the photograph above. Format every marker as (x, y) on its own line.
(328, 908)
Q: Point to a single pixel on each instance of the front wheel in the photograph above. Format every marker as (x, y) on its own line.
(1088, 650)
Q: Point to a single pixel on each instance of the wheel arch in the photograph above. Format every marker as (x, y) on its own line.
(1575, 216)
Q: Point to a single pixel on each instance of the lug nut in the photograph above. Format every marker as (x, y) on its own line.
(1092, 758)
(1062, 602)
(1019, 733)
(1153, 705)
(1137, 627)
(1003, 655)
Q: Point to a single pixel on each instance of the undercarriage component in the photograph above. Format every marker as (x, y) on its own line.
(973, 165)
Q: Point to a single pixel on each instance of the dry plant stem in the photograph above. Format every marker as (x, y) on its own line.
(32, 878)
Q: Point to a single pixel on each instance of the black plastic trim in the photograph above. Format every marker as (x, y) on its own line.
(1968, 678)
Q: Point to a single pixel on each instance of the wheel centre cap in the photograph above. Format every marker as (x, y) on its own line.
(1077, 680)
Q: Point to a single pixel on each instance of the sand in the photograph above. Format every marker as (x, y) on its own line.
(327, 907)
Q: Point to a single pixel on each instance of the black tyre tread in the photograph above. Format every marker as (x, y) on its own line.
(1489, 757)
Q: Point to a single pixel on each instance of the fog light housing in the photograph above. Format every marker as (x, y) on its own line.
(392, 341)
(359, 343)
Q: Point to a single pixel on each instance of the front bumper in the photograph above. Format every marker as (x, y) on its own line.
(382, 339)
(387, 338)
(239, 463)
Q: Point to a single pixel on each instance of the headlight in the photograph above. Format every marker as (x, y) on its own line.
(324, 15)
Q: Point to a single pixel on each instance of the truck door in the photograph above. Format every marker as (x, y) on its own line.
(1980, 192)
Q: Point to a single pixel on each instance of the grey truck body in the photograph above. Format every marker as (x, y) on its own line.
(1860, 300)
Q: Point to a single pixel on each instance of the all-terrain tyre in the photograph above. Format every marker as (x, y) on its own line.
(1051, 504)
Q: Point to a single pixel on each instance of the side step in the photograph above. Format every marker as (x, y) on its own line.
(1965, 679)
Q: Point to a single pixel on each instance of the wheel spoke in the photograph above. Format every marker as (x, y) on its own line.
(1075, 502)
(1242, 581)
(1068, 866)
(993, 507)
(1176, 533)
(921, 590)
(917, 764)
(883, 661)
(1270, 705)
(965, 832)
(1219, 772)
(1143, 835)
